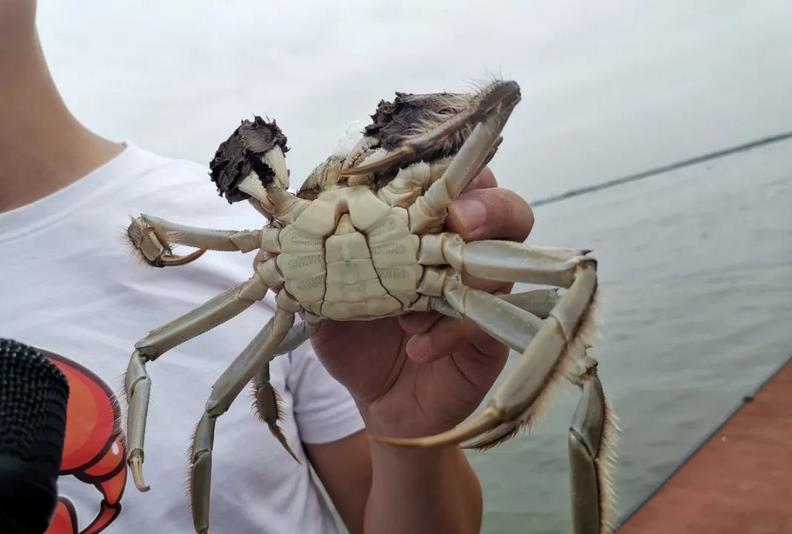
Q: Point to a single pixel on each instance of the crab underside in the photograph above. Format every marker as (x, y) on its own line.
(363, 239)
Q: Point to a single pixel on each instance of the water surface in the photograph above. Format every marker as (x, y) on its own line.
(696, 277)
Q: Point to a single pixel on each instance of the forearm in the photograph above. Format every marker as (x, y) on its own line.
(422, 491)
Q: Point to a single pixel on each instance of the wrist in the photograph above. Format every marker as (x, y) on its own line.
(400, 422)
(415, 464)
(436, 488)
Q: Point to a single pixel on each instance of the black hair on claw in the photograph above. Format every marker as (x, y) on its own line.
(413, 114)
(410, 115)
(242, 153)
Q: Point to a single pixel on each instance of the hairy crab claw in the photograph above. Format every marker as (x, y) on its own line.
(424, 127)
(251, 161)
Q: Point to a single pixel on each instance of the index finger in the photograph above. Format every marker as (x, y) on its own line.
(491, 213)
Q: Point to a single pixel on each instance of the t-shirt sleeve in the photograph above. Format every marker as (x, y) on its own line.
(323, 408)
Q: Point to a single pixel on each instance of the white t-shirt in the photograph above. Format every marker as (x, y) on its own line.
(69, 285)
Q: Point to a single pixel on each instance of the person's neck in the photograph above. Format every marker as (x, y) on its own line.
(43, 148)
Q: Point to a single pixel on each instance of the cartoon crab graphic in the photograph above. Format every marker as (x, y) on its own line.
(93, 449)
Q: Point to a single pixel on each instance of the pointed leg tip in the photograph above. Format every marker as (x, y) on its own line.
(174, 261)
(398, 442)
(487, 420)
(291, 453)
(136, 466)
(278, 433)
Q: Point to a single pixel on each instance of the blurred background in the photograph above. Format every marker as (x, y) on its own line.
(695, 263)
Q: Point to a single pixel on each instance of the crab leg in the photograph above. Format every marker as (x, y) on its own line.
(299, 334)
(218, 310)
(558, 346)
(509, 324)
(591, 438)
(497, 315)
(557, 343)
(539, 302)
(504, 261)
(409, 182)
(257, 354)
(268, 406)
(215, 311)
(153, 238)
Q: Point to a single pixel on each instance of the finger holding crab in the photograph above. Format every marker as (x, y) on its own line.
(482, 211)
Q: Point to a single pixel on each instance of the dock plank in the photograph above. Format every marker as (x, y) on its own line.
(739, 481)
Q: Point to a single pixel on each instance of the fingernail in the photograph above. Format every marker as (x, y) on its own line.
(469, 213)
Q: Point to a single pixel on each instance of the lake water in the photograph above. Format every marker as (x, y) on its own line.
(695, 272)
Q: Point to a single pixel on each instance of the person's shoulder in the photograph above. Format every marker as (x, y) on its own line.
(152, 170)
(181, 190)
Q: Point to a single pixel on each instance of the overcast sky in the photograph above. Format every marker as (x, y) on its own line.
(609, 88)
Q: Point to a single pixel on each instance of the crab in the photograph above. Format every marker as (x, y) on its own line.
(363, 239)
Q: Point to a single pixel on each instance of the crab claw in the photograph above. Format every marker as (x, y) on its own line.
(148, 246)
(413, 127)
(256, 148)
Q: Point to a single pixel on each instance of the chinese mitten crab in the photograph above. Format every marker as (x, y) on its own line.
(363, 239)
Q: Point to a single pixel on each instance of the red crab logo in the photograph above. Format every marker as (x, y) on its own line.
(93, 449)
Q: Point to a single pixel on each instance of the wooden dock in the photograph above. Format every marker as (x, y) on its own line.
(739, 481)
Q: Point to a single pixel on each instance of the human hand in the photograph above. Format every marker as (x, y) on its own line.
(423, 373)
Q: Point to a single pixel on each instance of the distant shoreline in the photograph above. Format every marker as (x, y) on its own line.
(664, 168)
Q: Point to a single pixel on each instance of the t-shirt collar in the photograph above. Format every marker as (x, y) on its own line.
(45, 210)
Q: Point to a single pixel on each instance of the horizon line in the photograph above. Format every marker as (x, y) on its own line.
(661, 169)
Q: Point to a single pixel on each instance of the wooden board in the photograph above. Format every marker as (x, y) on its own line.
(739, 481)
